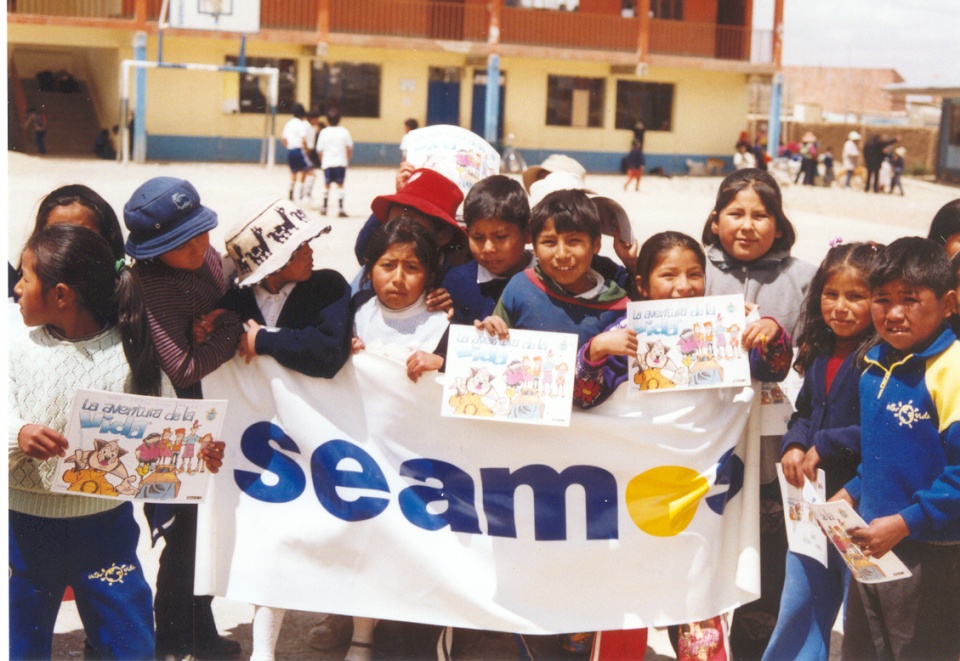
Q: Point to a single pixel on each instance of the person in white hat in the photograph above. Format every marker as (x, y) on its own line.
(850, 156)
(299, 316)
(897, 162)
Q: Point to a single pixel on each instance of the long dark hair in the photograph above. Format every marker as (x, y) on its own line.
(659, 243)
(82, 260)
(404, 229)
(815, 337)
(767, 189)
(103, 213)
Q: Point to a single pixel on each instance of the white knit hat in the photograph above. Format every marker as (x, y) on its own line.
(264, 245)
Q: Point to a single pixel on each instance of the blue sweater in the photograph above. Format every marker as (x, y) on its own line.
(911, 439)
(472, 300)
(829, 422)
(530, 302)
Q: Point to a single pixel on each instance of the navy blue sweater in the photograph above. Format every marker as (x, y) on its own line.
(314, 328)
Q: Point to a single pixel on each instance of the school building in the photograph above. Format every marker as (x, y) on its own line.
(575, 75)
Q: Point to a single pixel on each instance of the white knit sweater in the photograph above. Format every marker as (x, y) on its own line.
(44, 374)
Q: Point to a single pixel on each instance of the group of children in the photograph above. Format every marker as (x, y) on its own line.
(310, 144)
(874, 327)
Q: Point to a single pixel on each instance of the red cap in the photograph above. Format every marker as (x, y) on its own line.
(427, 191)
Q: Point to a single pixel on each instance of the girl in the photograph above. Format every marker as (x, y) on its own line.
(89, 331)
(748, 239)
(401, 263)
(394, 321)
(670, 265)
(77, 204)
(836, 331)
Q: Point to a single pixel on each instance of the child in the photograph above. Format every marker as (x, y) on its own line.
(335, 148)
(294, 138)
(836, 331)
(748, 239)
(401, 263)
(828, 167)
(299, 316)
(635, 165)
(497, 213)
(906, 487)
(945, 228)
(76, 204)
(182, 284)
(670, 265)
(562, 293)
(89, 332)
(394, 320)
(897, 164)
(432, 200)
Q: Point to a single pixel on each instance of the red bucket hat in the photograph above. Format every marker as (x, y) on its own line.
(428, 192)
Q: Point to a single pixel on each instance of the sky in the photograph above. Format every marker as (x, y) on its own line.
(918, 38)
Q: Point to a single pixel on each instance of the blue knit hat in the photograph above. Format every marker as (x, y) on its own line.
(162, 215)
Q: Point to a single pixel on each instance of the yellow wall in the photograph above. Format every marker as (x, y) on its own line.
(709, 107)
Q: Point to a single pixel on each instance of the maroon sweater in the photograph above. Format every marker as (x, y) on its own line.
(174, 298)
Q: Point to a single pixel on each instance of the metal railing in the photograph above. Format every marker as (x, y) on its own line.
(450, 20)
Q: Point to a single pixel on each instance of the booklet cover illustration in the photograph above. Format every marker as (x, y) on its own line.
(132, 447)
(688, 343)
(526, 379)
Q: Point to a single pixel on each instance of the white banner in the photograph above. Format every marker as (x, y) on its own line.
(353, 495)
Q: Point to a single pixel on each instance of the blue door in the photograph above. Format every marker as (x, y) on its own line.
(443, 96)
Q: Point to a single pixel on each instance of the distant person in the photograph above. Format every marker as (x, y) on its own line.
(760, 152)
(828, 164)
(897, 164)
(635, 165)
(408, 125)
(808, 159)
(873, 157)
(103, 146)
(37, 119)
(744, 158)
(294, 138)
(335, 149)
(850, 156)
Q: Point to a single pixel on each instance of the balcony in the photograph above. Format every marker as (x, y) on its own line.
(384, 22)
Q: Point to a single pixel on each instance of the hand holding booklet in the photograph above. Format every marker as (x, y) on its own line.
(836, 519)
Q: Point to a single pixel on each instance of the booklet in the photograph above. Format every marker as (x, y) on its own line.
(836, 518)
(132, 447)
(460, 155)
(803, 532)
(689, 343)
(527, 379)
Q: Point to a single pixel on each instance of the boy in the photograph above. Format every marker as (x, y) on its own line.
(497, 213)
(299, 316)
(294, 138)
(562, 293)
(908, 482)
(335, 148)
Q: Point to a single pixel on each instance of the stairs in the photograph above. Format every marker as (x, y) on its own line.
(72, 123)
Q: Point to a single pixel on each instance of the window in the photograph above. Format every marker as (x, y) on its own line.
(651, 103)
(954, 136)
(574, 101)
(667, 9)
(253, 89)
(354, 89)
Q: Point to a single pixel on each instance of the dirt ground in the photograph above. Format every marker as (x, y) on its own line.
(679, 203)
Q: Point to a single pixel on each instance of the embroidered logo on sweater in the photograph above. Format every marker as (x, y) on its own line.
(113, 574)
(907, 414)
